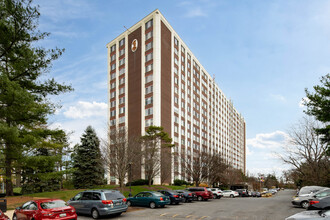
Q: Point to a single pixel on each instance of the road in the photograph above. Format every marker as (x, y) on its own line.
(274, 208)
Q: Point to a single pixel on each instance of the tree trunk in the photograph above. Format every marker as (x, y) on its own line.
(9, 184)
(18, 177)
(149, 181)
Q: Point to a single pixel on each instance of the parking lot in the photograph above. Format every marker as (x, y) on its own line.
(273, 208)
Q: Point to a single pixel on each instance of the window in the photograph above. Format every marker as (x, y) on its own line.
(121, 120)
(149, 57)
(112, 94)
(113, 48)
(122, 52)
(176, 61)
(149, 111)
(149, 122)
(149, 89)
(113, 57)
(176, 100)
(176, 80)
(149, 46)
(122, 81)
(113, 104)
(113, 66)
(122, 61)
(149, 78)
(182, 49)
(113, 76)
(148, 68)
(148, 35)
(149, 100)
(149, 24)
(175, 51)
(175, 70)
(121, 100)
(121, 42)
(182, 59)
(121, 110)
(113, 85)
(122, 90)
(188, 55)
(113, 113)
(112, 122)
(122, 71)
(176, 42)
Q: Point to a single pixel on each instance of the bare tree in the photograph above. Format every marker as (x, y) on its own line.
(216, 169)
(232, 176)
(154, 141)
(197, 167)
(119, 152)
(306, 153)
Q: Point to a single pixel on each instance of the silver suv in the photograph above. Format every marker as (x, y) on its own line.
(99, 203)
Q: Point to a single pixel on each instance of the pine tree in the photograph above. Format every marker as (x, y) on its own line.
(87, 163)
(24, 103)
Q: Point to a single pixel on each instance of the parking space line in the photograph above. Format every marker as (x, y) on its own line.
(188, 216)
(203, 217)
(175, 215)
(163, 214)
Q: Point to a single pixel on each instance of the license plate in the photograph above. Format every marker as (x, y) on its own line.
(63, 215)
(118, 203)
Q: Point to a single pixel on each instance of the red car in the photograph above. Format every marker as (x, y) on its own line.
(201, 192)
(45, 209)
(3, 216)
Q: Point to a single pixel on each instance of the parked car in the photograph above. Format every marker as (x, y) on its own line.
(175, 197)
(306, 215)
(45, 209)
(217, 193)
(230, 193)
(319, 204)
(273, 191)
(303, 197)
(99, 203)
(210, 192)
(242, 192)
(151, 199)
(3, 216)
(201, 193)
(258, 194)
(187, 196)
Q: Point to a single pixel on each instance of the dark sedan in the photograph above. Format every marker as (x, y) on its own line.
(175, 197)
(186, 195)
(149, 198)
(319, 204)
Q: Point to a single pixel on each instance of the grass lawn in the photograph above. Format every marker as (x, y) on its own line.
(68, 194)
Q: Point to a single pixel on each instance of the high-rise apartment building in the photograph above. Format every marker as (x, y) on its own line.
(155, 79)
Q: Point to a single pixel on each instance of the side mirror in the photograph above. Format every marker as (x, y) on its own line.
(18, 208)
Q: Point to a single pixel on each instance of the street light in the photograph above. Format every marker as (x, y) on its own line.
(130, 179)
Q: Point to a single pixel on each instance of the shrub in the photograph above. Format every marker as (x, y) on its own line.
(178, 182)
(139, 182)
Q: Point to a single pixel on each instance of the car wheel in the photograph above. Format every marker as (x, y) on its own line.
(14, 217)
(152, 205)
(95, 214)
(304, 204)
(199, 198)
(129, 203)
(231, 196)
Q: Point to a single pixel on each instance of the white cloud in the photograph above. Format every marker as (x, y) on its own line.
(196, 12)
(249, 152)
(269, 140)
(302, 101)
(278, 97)
(86, 110)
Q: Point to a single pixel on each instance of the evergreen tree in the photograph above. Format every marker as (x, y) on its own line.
(318, 105)
(24, 103)
(87, 163)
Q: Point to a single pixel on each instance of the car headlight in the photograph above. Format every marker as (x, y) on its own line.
(296, 199)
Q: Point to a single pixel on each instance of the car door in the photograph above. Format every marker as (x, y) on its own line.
(20, 211)
(29, 210)
(148, 198)
(137, 200)
(76, 202)
(86, 200)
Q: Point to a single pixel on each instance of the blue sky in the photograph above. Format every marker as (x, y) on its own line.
(263, 55)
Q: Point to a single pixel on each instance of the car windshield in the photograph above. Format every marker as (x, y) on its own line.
(53, 204)
(115, 195)
(157, 194)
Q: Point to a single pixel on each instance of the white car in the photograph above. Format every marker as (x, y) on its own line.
(230, 193)
(217, 193)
